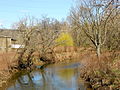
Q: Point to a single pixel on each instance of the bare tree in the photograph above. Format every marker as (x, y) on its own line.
(47, 32)
(93, 17)
(38, 36)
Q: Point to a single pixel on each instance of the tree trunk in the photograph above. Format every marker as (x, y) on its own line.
(98, 50)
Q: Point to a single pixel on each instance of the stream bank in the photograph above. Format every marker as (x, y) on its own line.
(104, 74)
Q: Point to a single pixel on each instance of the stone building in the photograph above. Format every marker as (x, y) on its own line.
(10, 39)
(5, 43)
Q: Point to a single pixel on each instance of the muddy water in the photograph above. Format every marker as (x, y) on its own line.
(53, 77)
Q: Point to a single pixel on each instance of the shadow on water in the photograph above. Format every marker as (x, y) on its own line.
(53, 77)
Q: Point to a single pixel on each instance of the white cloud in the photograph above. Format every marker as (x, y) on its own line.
(24, 11)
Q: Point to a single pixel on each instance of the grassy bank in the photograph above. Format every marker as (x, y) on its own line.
(6, 61)
(103, 74)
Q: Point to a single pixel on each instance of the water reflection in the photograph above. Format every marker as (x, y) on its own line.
(54, 77)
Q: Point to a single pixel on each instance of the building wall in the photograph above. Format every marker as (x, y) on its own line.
(5, 43)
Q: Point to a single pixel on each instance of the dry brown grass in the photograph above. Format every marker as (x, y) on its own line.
(6, 59)
(72, 53)
(103, 72)
(65, 49)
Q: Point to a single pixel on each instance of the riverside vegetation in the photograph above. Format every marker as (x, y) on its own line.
(91, 35)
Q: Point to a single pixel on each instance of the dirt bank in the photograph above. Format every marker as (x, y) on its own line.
(6, 60)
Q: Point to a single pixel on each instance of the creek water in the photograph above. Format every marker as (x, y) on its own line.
(65, 76)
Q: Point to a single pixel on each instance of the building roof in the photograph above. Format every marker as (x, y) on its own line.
(2, 36)
(9, 33)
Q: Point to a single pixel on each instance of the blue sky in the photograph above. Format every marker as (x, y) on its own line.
(12, 10)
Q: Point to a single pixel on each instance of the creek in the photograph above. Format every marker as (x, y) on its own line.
(64, 76)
